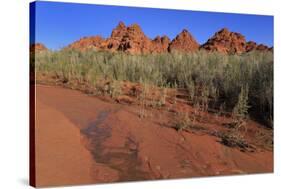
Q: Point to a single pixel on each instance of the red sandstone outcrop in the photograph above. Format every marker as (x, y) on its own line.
(184, 42)
(87, 43)
(251, 45)
(225, 41)
(131, 39)
(228, 42)
(113, 42)
(134, 41)
(160, 44)
(37, 47)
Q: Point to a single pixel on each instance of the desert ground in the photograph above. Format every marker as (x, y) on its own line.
(82, 139)
(128, 108)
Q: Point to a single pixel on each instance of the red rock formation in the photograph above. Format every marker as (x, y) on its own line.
(184, 42)
(228, 42)
(37, 47)
(86, 43)
(131, 39)
(251, 46)
(225, 41)
(160, 44)
(115, 39)
(262, 47)
(134, 41)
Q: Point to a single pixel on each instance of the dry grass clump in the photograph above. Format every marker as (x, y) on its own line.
(183, 122)
(265, 139)
(235, 140)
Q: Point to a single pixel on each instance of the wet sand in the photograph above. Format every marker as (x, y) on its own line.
(82, 139)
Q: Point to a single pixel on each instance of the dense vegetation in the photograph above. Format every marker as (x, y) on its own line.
(235, 83)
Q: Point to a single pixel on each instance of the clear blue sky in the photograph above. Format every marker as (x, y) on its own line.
(59, 24)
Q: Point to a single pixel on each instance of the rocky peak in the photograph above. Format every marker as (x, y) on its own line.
(223, 31)
(119, 31)
(121, 25)
(157, 39)
(185, 33)
(135, 28)
(184, 42)
(128, 39)
(165, 39)
(225, 41)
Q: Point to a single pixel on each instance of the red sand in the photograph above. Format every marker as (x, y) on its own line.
(124, 147)
(61, 156)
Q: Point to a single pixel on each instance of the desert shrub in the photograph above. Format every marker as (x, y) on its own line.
(240, 111)
(182, 122)
(114, 89)
(216, 78)
(235, 140)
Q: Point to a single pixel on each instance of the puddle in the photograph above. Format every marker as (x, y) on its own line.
(122, 159)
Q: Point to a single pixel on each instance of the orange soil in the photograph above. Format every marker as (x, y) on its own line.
(61, 158)
(124, 147)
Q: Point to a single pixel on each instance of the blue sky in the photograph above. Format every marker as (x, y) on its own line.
(59, 24)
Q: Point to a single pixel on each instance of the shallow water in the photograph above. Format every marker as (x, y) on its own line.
(122, 159)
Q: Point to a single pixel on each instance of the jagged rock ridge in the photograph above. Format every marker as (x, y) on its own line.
(131, 39)
(184, 42)
(225, 41)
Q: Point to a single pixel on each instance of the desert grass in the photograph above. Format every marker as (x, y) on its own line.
(241, 84)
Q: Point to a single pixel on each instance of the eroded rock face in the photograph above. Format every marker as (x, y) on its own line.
(225, 41)
(113, 42)
(184, 42)
(131, 39)
(228, 42)
(134, 41)
(250, 46)
(160, 44)
(86, 43)
(37, 47)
